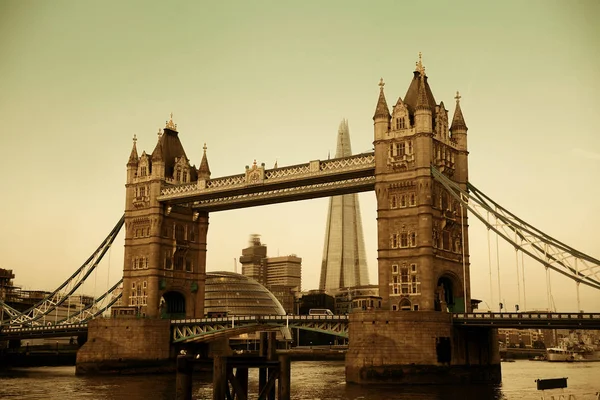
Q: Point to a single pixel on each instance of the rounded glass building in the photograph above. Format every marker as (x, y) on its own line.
(228, 293)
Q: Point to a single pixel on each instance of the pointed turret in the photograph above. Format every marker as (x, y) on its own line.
(204, 170)
(382, 115)
(458, 121)
(157, 153)
(133, 157)
(381, 111)
(423, 114)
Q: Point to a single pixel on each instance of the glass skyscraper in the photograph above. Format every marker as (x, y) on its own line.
(344, 261)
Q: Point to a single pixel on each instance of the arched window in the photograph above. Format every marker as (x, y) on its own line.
(405, 305)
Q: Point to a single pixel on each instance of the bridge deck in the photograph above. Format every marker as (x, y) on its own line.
(333, 324)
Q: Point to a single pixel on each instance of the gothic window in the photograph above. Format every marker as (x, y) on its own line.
(391, 150)
(402, 201)
(405, 305)
(446, 240)
(400, 149)
(410, 147)
(192, 234)
(395, 279)
(457, 245)
(413, 239)
(144, 171)
(405, 280)
(412, 199)
(414, 283)
(394, 240)
(179, 261)
(179, 233)
(146, 263)
(184, 177)
(393, 201)
(444, 201)
(147, 231)
(404, 239)
(395, 268)
(413, 268)
(178, 176)
(143, 191)
(168, 262)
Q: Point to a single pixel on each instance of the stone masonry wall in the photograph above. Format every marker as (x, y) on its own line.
(118, 343)
(419, 347)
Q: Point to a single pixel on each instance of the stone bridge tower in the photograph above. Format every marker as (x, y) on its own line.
(165, 246)
(422, 244)
(423, 255)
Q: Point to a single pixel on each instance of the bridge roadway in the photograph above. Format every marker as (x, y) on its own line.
(205, 329)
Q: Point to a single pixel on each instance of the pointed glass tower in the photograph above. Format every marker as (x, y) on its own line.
(344, 261)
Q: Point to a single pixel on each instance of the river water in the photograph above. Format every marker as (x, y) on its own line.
(311, 380)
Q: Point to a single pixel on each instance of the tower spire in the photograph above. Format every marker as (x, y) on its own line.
(133, 157)
(170, 124)
(382, 110)
(204, 170)
(458, 121)
(422, 102)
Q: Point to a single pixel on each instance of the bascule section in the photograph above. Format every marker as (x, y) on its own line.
(165, 245)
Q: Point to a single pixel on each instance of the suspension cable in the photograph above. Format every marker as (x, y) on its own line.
(490, 261)
(518, 277)
(577, 287)
(498, 267)
(523, 267)
(464, 262)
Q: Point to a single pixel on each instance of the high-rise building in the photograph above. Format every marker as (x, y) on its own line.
(344, 261)
(281, 275)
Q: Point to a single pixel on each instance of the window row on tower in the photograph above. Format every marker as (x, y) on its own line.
(405, 280)
(178, 261)
(139, 293)
(403, 200)
(139, 263)
(399, 149)
(447, 240)
(179, 232)
(403, 240)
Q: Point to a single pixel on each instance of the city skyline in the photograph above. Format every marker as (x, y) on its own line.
(254, 83)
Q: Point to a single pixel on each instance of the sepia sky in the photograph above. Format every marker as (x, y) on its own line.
(271, 80)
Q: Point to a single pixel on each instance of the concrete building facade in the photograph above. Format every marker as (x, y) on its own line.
(281, 275)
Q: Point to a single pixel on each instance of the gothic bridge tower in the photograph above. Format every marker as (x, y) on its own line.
(165, 246)
(423, 254)
(422, 245)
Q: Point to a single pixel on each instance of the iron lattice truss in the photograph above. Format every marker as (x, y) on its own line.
(208, 329)
(98, 307)
(543, 248)
(47, 305)
(300, 192)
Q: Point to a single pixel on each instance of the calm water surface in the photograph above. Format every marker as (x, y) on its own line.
(310, 381)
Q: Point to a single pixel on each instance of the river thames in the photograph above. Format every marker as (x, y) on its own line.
(311, 380)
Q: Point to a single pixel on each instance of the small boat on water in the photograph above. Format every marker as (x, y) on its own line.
(572, 349)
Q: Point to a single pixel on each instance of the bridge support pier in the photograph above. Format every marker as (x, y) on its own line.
(115, 345)
(419, 347)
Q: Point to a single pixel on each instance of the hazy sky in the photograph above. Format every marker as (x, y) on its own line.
(271, 80)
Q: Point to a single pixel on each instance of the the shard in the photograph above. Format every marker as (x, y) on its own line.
(344, 261)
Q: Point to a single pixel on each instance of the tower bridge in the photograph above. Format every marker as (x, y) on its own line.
(418, 172)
